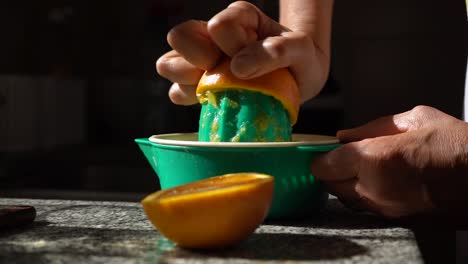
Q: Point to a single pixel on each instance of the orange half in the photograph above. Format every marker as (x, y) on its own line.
(214, 212)
(279, 83)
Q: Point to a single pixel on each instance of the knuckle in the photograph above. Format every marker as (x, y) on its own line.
(182, 94)
(386, 156)
(276, 47)
(219, 22)
(163, 66)
(174, 33)
(230, 16)
(380, 152)
(419, 114)
(302, 38)
(175, 96)
(421, 110)
(179, 31)
(243, 5)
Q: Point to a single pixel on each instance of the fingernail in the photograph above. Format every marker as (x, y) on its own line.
(243, 66)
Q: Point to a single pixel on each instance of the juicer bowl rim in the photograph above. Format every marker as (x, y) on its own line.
(189, 140)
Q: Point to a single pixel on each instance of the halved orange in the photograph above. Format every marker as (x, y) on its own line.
(215, 212)
(279, 83)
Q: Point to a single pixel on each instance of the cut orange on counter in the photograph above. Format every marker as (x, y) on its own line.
(215, 212)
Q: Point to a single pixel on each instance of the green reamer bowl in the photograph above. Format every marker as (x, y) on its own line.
(179, 159)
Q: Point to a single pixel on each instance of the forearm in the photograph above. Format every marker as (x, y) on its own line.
(311, 16)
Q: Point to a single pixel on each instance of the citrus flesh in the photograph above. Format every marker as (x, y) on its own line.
(259, 109)
(215, 212)
(243, 116)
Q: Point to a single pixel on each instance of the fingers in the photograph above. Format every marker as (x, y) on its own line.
(178, 70)
(340, 164)
(270, 54)
(256, 43)
(338, 170)
(384, 126)
(293, 50)
(239, 25)
(192, 41)
(199, 45)
(183, 94)
(202, 43)
(184, 75)
(413, 119)
(235, 27)
(378, 174)
(349, 192)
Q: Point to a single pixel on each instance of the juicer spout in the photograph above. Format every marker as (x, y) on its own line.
(145, 147)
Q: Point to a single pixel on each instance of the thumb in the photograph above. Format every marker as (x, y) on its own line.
(270, 54)
(384, 126)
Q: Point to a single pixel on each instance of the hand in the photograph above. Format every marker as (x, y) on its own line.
(402, 165)
(256, 43)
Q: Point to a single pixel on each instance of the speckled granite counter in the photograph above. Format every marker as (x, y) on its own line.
(118, 232)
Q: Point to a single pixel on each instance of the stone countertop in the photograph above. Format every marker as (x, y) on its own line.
(118, 232)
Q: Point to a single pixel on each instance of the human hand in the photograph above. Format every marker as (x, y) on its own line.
(256, 43)
(402, 165)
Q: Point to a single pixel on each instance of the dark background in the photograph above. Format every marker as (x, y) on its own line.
(78, 84)
(462, 244)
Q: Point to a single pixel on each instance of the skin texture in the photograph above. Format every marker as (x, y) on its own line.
(256, 43)
(397, 166)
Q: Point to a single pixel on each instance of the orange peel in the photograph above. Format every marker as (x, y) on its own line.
(215, 212)
(279, 84)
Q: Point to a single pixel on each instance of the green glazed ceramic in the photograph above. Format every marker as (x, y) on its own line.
(180, 158)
